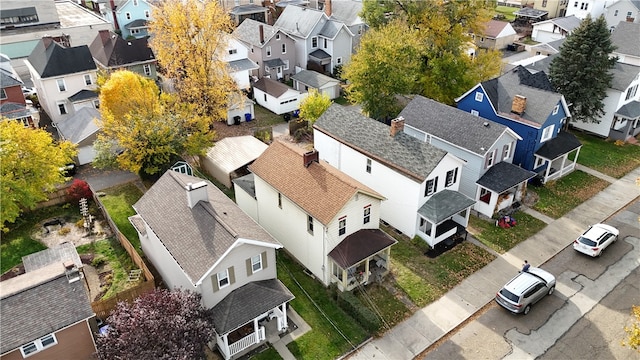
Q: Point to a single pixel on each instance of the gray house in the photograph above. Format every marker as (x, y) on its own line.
(488, 175)
(306, 80)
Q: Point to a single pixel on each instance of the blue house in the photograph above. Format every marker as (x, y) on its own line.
(130, 17)
(526, 102)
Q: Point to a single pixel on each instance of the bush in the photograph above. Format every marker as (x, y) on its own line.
(98, 261)
(362, 314)
(64, 231)
(80, 223)
(79, 189)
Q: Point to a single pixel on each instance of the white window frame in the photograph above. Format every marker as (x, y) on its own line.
(127, 15)
(491, 159)
(451, 178)
(284, 48)
(87, 79)
(314, 42)
(368, 168)
(268, 51)
(483, 192)
(61, 85)
(286, 64)
(547, 133)
(62, 108)
(135, 2)
(342, 226)
(539, 162)
(147, 14)
(38, 343)
(256, 263)
(506, 152)
(146, 68)
(431, 186)
(366, 214)
(278, 36)
(475, 112)
(96, 103)
(233, 51)
(555, 109)
(479, 96)
(339, 60)
(310, 224)
(221, 277)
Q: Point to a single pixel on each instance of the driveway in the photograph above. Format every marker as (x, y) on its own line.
(104, 179)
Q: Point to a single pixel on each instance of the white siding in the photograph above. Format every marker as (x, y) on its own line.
(246, 202)
(340, 47)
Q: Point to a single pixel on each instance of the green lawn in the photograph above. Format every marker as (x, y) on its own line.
(606, 156)
(324, 340)
(118, 203)
(558, 197)
(507, 11)
(388, 307)
(118, 259)
(269, 354)
(501, 240)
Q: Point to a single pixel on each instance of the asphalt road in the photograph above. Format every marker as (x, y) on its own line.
(583, 319)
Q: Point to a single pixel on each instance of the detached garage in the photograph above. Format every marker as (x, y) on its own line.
(82, 130)
(229, 158)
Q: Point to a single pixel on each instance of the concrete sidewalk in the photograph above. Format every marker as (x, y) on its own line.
(411, 337)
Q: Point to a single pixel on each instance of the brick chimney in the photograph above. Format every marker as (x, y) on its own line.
(196, 192)
(519, 104)
(310, 157)
(397, 125)
(261, 31)
(327, 7)
(47, 40)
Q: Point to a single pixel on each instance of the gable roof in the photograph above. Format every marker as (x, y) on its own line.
(319, 189)
(82, 95)
(567, 23)
(493, 28)
(559, 145)
(625, 38)
(50, 59)
(40, 302)
(332, 28)
(110, 50)
(56, 254)
(453, 125)
(7, 80)
(314, 79)
(232, 153)
(503, 176)
(346, 11)
(198, 237)
(403, 153)
(81, 125)
(299, 20)
(272, 87)
(249, 32)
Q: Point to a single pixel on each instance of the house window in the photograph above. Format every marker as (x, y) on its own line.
(265, 97)
(631, 92)
(325, 43)
(147, 14)
(544, 3)
(342, 226)
(61, 85)
(339, 60)
(431, 186)
(629, 14)
(314, 42)
(506, 151)
(490, 160)
(256, 263)
(233, 51)
(286, 65)
(367, 214)
(575, 4)
(3, 94)
(280, 200)
(223, 279)
(539, 162)
(135, 2)
(128, 16)
(87, 79)
(479, 96)
(135, 31)
(555, 109)
(452, 176)
(62, 108)
(368, 166)
(310, 224)
(96, 103)
(38, 345)
(147, 69)
(475, 112)
(547, 133)
(277, 36)
(284, 48)
(268, 51)
(615, 13)
(485, 195)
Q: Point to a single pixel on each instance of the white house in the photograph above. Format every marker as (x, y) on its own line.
(327, 220)
(554, 29)
(240, 66)
(198, 239)
(622, 10)
(419, 181)
(583, 8)
(306, 80)
(276, 96)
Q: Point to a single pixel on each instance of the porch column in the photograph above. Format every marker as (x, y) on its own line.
(256, 330)
(546, 171)
(225, 348)
(564, 160)
(366, 268)
(575, 158)
(285, 324)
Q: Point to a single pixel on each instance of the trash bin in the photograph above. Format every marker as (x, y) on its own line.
(247, 117)
(236, 119)
(286, 117)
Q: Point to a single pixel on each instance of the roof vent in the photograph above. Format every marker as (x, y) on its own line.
(71, 271)
(485, 124)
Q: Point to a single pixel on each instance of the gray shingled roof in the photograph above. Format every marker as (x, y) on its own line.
(503, 176)
(313, 79)
(248, 302)
(452, 125)
(630, 110)
(404, 153)
(56, 254)
(298, 20)
(249, 32)
(41, 302)
(444, 204)
(55, 60)
(271, 87)
(247, 9)
(562, 144)
(7, 80)
(359, 246)
(197, 237)
(242, 64)
(274, 63)
(346, 11)
(626, 37)
(81, 125)
(331, 29)
(83, 94)
(320, 54)
(623, 75)
(13, 111)
(137, 23)
(111, 50)
(567, 23)
(530, 12)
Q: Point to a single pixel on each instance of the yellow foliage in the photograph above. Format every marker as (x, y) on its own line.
(633, 331)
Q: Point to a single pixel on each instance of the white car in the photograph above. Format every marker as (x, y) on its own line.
(27, 91)
(595, 239)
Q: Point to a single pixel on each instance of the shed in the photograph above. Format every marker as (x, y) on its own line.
(277, 97)
(230, 157)
(305, 80)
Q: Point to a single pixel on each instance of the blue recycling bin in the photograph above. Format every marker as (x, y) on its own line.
(247, 117)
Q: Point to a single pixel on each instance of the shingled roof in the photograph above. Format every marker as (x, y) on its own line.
(50, 59)
(111, 50)
(626, 38)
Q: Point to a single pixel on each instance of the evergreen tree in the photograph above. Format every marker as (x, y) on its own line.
(582, 70)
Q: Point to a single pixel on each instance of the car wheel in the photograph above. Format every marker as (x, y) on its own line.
(551, 289)
(527, 309)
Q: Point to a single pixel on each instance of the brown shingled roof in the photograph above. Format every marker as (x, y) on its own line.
(494, 27)
(319, 189)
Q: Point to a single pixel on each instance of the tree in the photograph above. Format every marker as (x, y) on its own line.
(314, 105)
(144, 130)
(31, 163)
(582, 70)
(161, 324)
(79, 189)
(189, 39)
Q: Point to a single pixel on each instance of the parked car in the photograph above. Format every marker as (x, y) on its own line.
(595, 239)
(524, 290)
(68, 170)
(28, 91)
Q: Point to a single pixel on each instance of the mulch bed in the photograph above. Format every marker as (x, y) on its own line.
(443, 247)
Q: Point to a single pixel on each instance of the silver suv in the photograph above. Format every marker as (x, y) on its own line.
(526, 289)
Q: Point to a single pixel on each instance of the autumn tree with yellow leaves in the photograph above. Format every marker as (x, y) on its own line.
(189, 39)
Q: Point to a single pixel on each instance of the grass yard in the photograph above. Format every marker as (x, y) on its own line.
(112, 253)
(607, 157)
(270, 354)
(118, 203)
(507, 11)
(265, 118)
(499, 239)
(324, 341)
(557, 198)
(388, 307)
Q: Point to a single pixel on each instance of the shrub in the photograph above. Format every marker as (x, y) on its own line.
(64, 231)
(79, 189)
(98, 261)
(80, 223)
(362, 314)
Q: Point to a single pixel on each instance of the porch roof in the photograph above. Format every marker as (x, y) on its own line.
(248, 302)
(563, 143)
(320, 54)
(630, 110)
(243, 64)
(360, 245)
(503, 176)
(444, 204)
(274, 63)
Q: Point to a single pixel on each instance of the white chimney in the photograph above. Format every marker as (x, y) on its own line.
(196, 192)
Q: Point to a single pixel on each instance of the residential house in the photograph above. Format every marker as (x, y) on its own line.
(488, 176)
(47, 311)
(64, 77)
(321, 43)
(419, 181)
(622, 10)
(111, 53)
(13, 105)
(497, 35)
(240, 13)
(348, 12)
(583, 8)
(272, 49)
(276, 96)
(624, 39)
(327, 220)
(546, 49)
(554, 29)
(306, 80)
(527, 103)
(554, 8)
(130, 17)
(199, 240)
(82, 129)
(240, 66)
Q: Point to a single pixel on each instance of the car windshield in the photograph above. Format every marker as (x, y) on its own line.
(586, 241)
(509, 295)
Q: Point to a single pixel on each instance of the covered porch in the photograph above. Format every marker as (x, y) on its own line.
(321, 61)
(626, 122)
(274, 68)
(501, 186)
(444, 215)
(552, 160)
(237, 318)
(361, 257)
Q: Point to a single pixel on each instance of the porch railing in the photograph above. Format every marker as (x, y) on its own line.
(558, 174)
(246, 342)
